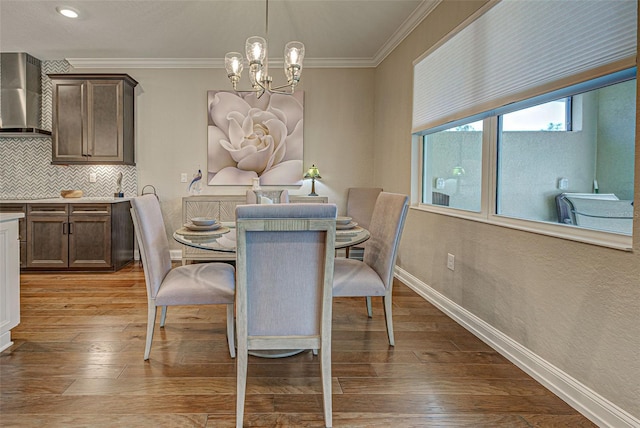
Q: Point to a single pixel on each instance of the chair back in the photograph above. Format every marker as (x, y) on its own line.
(152, 241)
(360, 204)
(284, 271)
(252, 196)
(386, 227)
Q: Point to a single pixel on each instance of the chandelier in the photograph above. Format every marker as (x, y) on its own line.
(256, 51)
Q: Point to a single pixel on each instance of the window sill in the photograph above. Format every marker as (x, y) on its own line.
(572, 233)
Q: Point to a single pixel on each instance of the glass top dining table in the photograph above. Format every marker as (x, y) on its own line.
(223, 239)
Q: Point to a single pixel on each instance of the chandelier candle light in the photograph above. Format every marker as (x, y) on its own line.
(313, 173)
(256, 51)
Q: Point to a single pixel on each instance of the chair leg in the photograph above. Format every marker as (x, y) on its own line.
(369, 310)
(151, 322)
(388, 317)
(325, 368)
(163, 316)
(241, 382)
(346, 252)
(231, 330)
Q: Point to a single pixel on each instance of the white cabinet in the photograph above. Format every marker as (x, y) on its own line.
(9, 277)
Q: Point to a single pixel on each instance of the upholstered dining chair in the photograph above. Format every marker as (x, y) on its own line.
(195, 284)
(360, 203)
(373, 276)
(284, 268)
(252, 198)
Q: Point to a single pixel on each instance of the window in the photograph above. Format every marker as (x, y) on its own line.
(581, 178)
(551, 116)
(452, 160)
(535, 167)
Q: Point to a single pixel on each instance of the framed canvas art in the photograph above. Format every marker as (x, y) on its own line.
(251, 137)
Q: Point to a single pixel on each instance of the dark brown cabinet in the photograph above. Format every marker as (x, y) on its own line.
(89, 240)
(93, 119)
(47, 239)
(82, 236)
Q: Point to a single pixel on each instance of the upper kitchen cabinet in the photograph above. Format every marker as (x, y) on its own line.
(93, 119)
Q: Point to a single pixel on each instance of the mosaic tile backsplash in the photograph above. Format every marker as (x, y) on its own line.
(25, 163)
(26, 173)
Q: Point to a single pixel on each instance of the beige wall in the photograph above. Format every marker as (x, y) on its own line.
(171, 131)
(575, 305)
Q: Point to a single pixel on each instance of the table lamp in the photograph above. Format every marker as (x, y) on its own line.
(313, 174)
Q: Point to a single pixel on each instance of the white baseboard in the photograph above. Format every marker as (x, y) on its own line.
(176, 254)
(598, 409)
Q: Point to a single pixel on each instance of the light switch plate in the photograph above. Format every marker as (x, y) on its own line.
(451, 260)
(93, 177)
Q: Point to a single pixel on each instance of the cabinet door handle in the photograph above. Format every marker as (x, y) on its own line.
(70, 228)
(64, 228)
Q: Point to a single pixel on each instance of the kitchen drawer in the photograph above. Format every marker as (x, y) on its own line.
(47, 209)
(97, 209)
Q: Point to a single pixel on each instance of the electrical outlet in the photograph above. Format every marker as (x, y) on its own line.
(93, 177)
(451, 261)
(183, 177)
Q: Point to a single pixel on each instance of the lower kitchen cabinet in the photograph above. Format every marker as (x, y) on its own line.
(89, 241)
(82, 236)
(47, 236)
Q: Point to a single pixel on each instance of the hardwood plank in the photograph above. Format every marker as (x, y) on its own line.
(155, 368)
(152, 386)
(558, 421)
(365, 420)
(102, 420)
(451, 370)
(447, 357)
(461, 386)
(56, 370)
(425, 404)
(28, 404)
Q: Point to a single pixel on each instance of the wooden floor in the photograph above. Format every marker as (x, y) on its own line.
(77, 362)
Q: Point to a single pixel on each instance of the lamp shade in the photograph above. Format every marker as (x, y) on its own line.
(312, 172)
(256, 49)
(233, 63)
(293, 56)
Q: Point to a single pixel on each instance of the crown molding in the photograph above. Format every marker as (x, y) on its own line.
(209, 62)
(417, 16)
(146, 62)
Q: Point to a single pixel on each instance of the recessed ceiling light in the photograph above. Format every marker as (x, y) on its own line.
(67, 11)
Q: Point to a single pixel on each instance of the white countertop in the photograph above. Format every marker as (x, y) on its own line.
(10, 216)
(83, 200)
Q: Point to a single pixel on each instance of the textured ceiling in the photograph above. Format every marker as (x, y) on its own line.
(161, 32)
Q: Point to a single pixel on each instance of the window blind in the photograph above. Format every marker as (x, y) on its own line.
(520, 47)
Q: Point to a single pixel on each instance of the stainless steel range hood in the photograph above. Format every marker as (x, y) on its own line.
(20, 96)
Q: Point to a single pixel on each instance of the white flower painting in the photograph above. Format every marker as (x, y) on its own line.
(251, 137)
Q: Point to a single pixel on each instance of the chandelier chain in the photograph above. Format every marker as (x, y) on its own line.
(266, 20)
